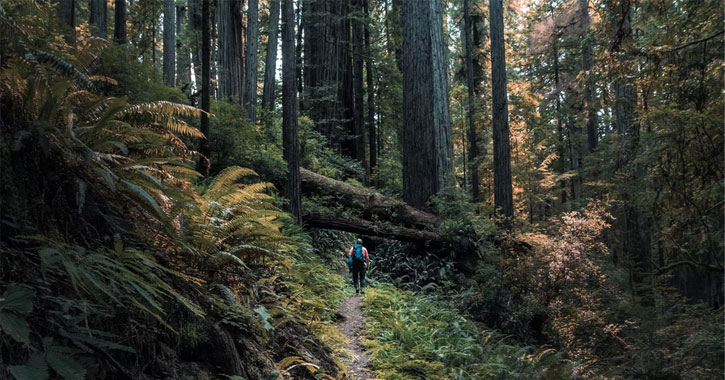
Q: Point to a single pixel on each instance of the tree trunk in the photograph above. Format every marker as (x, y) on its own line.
(98, 17)
(364, 227)
(637, 235)
(357, 28)
(559, 122)
(250, 87)
(370, 202)
(270, 64)
(298, 51)
(471, 84)
(427, 147)
(325, 50)
(372, 133)
(195, 40)
(203, 164)
(574, 159)
(153, 43)
(346, 93)
(66, 10)
(231, 65)
(502, 189)
(590, 112)
(183, 63)
(170, 43)
(290, 142)
(119, 22)
(396, 23)
(214, 35)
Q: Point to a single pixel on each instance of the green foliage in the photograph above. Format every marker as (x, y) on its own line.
(405, 267)
(17, 302)
(120, 172)
(137, 80)
(317, 155)
(417, 337)
(389, 175)
(236, 142)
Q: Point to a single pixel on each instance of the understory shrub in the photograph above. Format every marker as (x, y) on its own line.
(414, 337)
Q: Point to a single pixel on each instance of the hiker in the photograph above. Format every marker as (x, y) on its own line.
(357, 262)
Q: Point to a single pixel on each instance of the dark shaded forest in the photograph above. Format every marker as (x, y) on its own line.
(539, 185)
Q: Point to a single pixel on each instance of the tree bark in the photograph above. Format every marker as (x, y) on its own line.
(559, 116)
(590, 112)
(471, 84)
(372, 133)
(325, 50)
(98, 17)
(298, 51)
(370, 202)
(270, 64)
(170, 43)
(290, 142)
(346, 93)
(357, 29)
(214, 38)
(203, 163)
(231, 65)
(502, 188)
(183, 60)
(119, 22)
(195, 40)
(364, 227)
(250, 87)
(637, 235)
(427, 147)
(66, 10)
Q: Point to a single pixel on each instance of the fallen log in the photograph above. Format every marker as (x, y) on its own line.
(368, 228)
(370, 202)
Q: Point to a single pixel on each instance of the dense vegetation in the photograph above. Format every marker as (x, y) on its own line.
(564, 159)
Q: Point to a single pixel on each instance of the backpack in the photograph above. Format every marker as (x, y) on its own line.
(357, 255)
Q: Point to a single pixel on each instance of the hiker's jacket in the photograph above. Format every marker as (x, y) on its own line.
(365, 255)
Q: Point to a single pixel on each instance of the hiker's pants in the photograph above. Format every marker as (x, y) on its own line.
(358, 276)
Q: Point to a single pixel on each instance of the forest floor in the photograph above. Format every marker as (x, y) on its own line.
(359, 367)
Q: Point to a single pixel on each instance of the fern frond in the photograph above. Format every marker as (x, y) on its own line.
(147, 202)
(104, 79)
(181, 127)
(181, 171)
(35, 368)
(62, 362)
(61, 66)
(165, 108)
(223, 258)
(225, 181)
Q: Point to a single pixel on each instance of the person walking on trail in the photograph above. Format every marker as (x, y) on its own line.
(357, 262)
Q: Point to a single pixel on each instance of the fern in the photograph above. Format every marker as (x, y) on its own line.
(15, 305)
(61, 66)
(35, 369)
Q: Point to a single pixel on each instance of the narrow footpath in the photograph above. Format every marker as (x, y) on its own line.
(359, 367)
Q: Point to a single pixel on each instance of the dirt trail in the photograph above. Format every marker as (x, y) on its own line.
(351, 327)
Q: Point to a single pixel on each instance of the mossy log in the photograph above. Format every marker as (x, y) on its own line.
(365, 227)
(368, 201)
